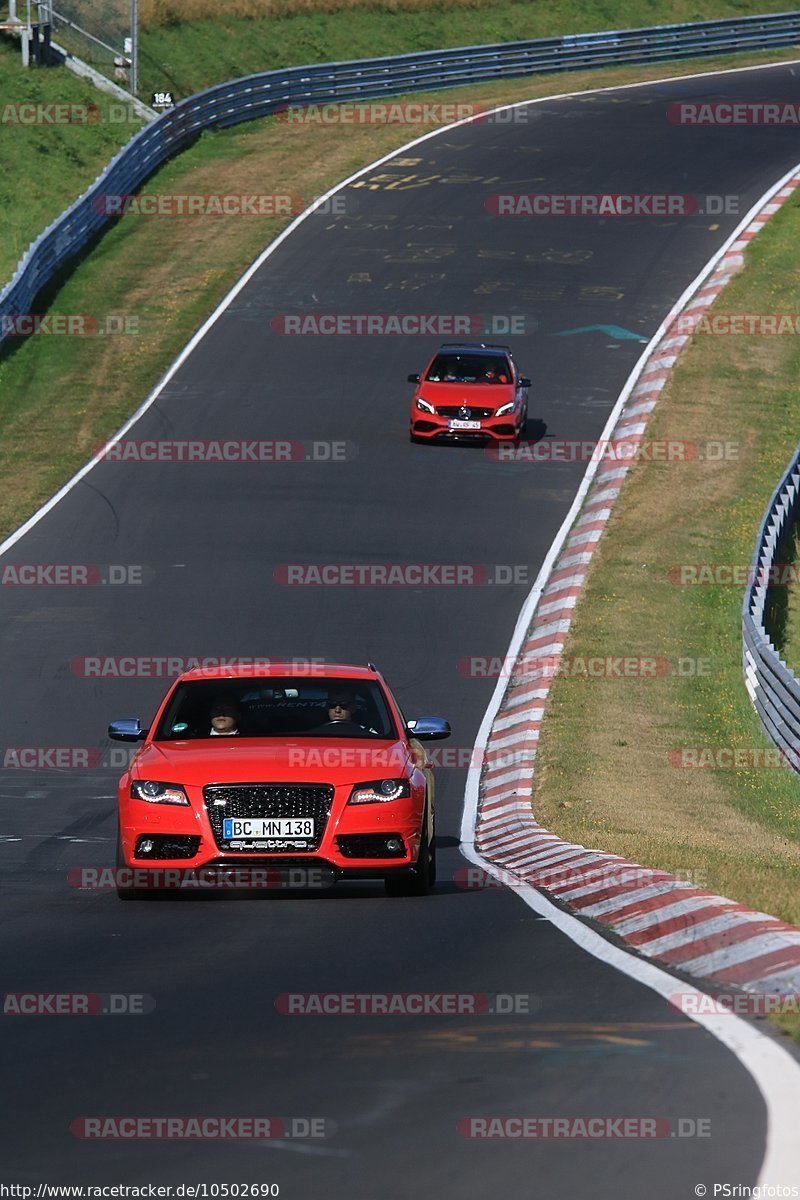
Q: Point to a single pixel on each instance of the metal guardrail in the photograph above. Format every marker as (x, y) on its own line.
(324, 83)
(773, 688)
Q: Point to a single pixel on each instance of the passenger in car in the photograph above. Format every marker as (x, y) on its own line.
(224, 718)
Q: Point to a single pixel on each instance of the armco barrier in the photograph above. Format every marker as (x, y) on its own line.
(323, 83)
(773, 688)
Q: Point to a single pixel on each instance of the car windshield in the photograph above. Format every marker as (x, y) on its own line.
(469, 368)
(276, 708)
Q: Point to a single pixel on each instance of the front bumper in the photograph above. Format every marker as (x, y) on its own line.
(434, 428)
(350, 845)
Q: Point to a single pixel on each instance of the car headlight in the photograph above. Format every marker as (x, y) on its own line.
(505, 408)
(424, 406)
(379, 791)
(158, 793)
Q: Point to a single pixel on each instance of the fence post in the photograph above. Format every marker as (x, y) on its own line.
(134, 47)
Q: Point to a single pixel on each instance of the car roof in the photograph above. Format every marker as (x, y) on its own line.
(473, 348)
(270, 668)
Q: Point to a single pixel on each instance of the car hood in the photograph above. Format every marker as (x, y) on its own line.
(474, 395)
(259, 760)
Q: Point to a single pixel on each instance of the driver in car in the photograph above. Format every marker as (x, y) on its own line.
(342, 707)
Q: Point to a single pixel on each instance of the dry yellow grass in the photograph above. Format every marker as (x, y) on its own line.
(171, 273)
(549, 17)
(156, 13)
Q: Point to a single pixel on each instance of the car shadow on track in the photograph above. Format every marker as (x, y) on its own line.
(449, 883)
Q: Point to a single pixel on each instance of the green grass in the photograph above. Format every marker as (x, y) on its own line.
(47, 166)
(604, 774)
(169, 274)
(191, 55)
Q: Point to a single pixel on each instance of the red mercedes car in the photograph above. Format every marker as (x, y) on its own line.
(469, 392)
(281, 765)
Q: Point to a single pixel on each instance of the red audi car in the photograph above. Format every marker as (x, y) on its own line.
(469, 392)
(282, 765)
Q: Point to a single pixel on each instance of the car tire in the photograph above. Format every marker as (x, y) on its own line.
(422, 880)
(523, 426)
(418, 441)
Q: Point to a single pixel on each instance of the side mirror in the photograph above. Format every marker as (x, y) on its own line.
(524, 382)
(129, 729)
(413, 379)
(429, 729)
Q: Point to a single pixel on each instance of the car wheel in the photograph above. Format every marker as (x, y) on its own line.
(523, 425)
(418, 441)
(423, 879)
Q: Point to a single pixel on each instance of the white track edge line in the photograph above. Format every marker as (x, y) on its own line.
(773, 1070)
(196, 338)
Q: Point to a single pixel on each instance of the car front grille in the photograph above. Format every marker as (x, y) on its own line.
(268, 800)
(475, 414)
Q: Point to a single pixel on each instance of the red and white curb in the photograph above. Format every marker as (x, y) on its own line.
(658, 915)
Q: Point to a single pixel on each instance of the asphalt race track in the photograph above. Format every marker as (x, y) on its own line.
(211, 538)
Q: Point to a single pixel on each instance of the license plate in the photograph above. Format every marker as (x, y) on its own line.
(465, 424)
(267, 827)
